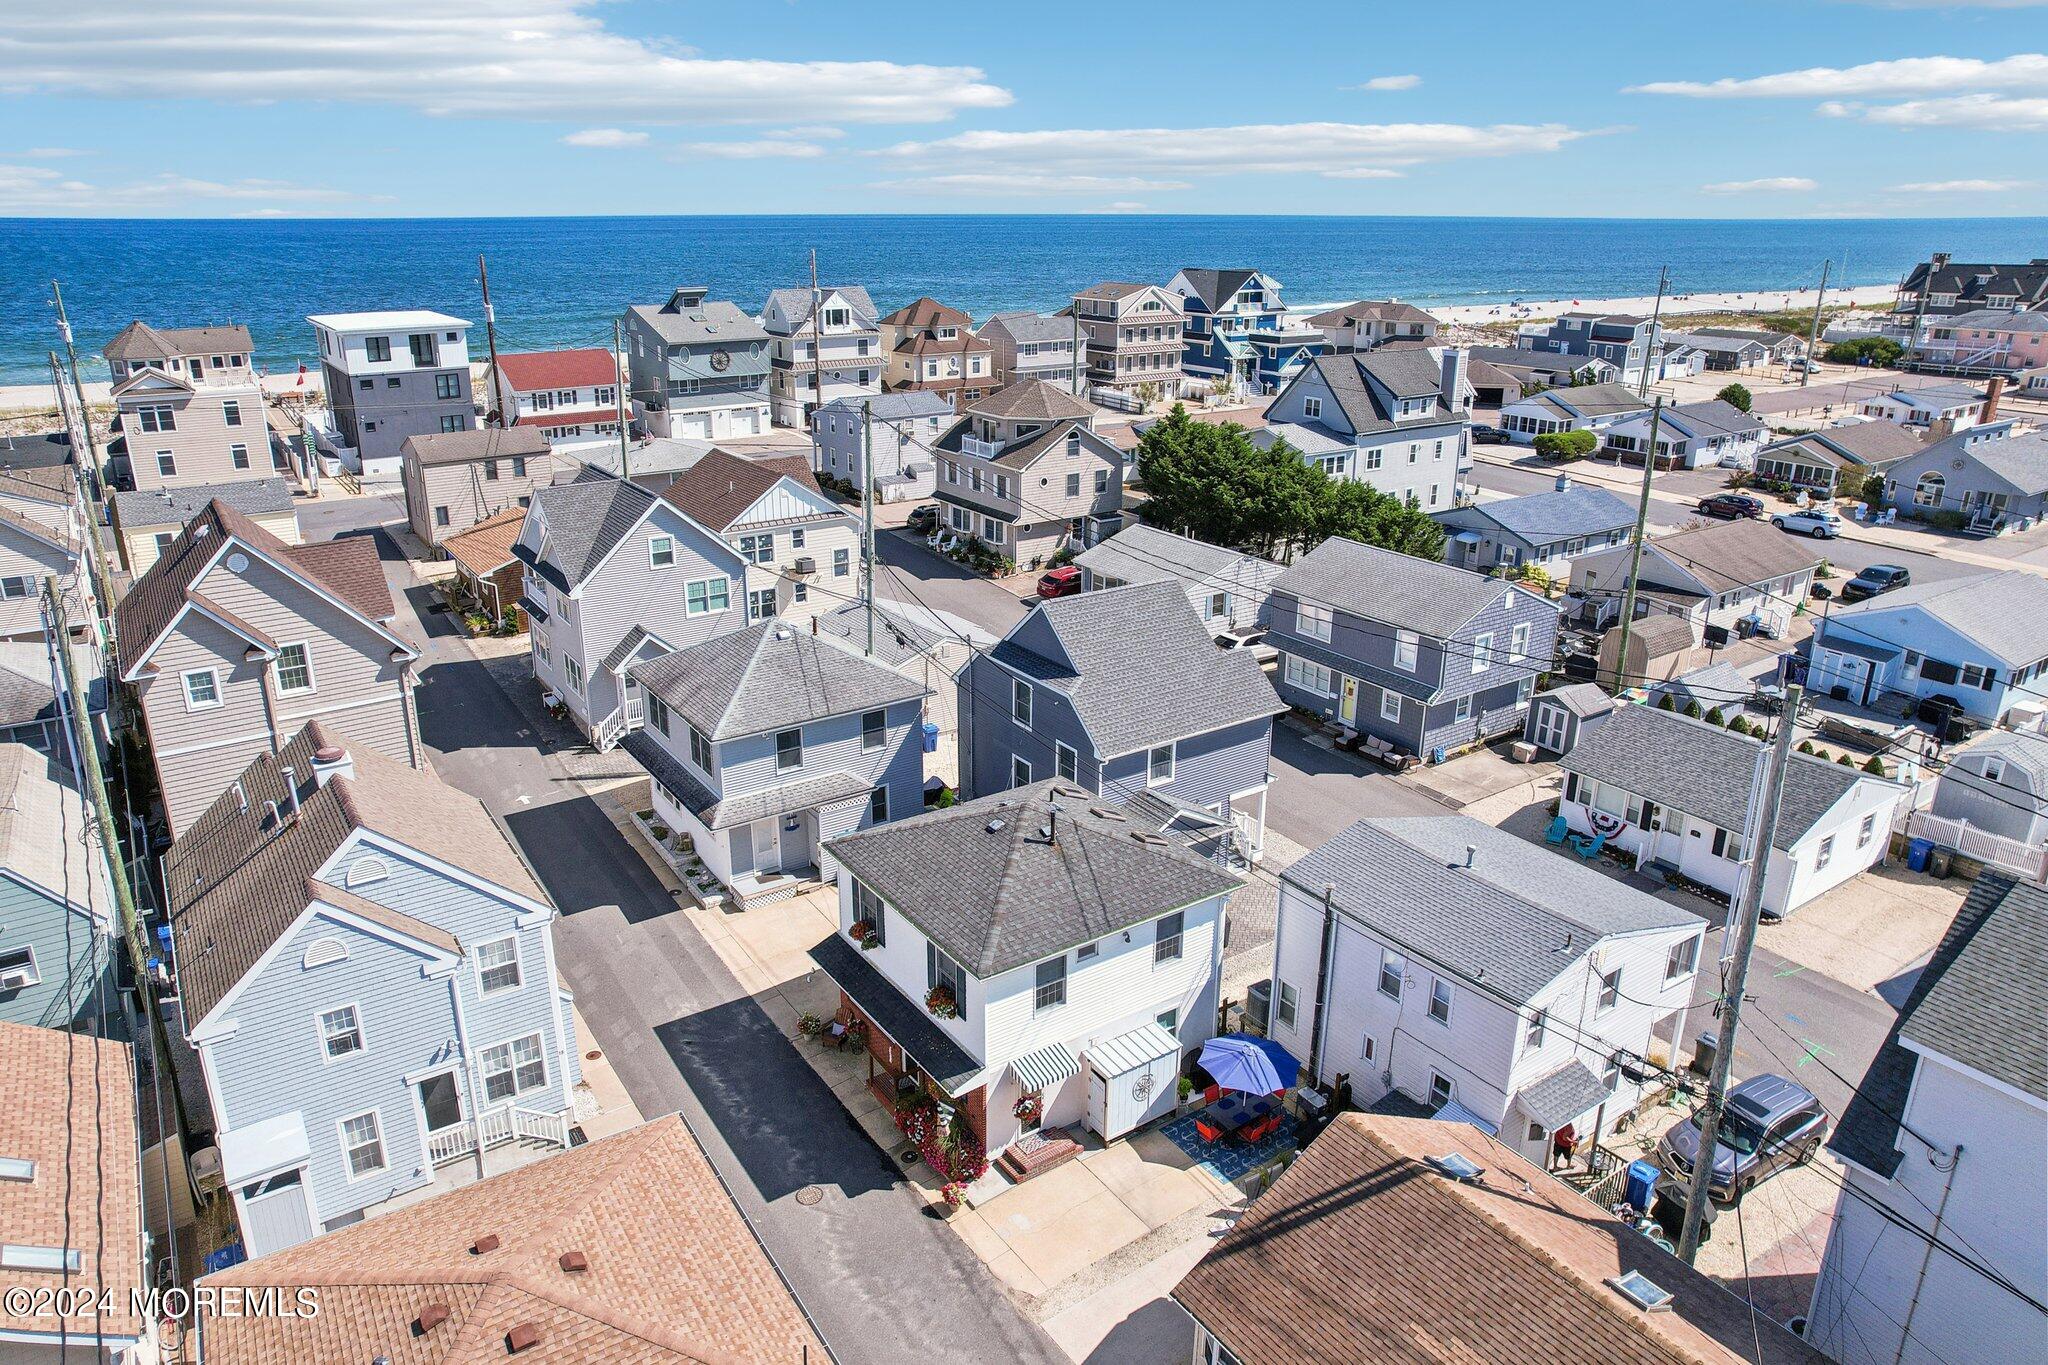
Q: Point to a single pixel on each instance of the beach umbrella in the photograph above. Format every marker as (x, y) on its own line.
(1256, 1066)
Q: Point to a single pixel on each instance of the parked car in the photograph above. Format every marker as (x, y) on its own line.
(1770, 1123)
(924, 518)
(1801, 365)
(1253, 641)
(1819, 522)
(1730, 506)
(1874, 580)
(1064, 581)
(1489, 436)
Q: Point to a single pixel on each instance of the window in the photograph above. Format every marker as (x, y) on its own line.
(497, 965)
(1166, 942)
(878, 806)
(1020, 702)
(166, 464)
(231, 412)
(294, 669)
(1286, 1010)
(1052, 984)
(164, 541)
(700, 749)
(341, 1032)
(518, 466)
(789, 750)
(873, 731)
(867, 908)
(441, 515)
(1440, 1000)
(157, 417)
(1440, 1089)
(1461, 710)
(759, 549)
(514, 1068)
(1312, 620)
(1102, 480)
(706, 595)
(1866, 829)
(454, 423)
(1390, 706)
(1537, 1030)
(800, 592)
(1311, 407)
(572, 670)
(491, 471)
(1610, 991)
(842, 563)
(1170, 1021)
(1159, 765)
(1823, 853)
(761, 604)
(1682, 960)
(1074, 485)
(1407, 649)
(1219, 604)
(1066, 762)
(1518, 643)
(661, 553)
(1994, 771)
(448, 385)
(1392, 967)
(362, 1141)
(421, 344)
(1482, 651)
(202, 689)
(377, 348)
(1020, 771)
(1087, 951)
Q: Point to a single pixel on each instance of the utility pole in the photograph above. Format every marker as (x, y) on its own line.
(128, 922)
(491, 336)
(1751, 909)
(84, 482)
(1075, 310)
(1813, 334)
(618, 349)
(77, 388)
(1656, 329)
(817, 364)
(867, 510)
(1635, 556)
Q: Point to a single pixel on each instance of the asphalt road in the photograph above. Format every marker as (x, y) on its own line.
(876, 1274)
(1317, 794)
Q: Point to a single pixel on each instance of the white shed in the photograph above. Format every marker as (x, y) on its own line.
(1133, 1079)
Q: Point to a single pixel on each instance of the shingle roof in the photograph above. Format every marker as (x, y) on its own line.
(1363, 1252)
(176, 506)
(2021, 461)
(1604, 399)
(140, 341)
(1981, 1000)
(1515, 919)
(236, 880)
(482, 443)
(1581, 699)
(1735, 554)
(40, 450)
(1031, 400)
(673, 1272)
(1030, 327)
(1215, 287)
(1145, 554)
(1517, 358)
(980, 881)
(898, 638)
(1370, 310)
(2026, 750)
(2000, 320)
(486, 547)
(1768, 338)
(1713, 416)
(589, 367)
(584, 520)
(1543, 517)
(1406, 373)
(56, 536)
(1415, 594)
(42, 827)
(67, 1103)
(713, 320)
(1704, 770)
(718, 489)
(1143, 670)
(1868, 443)
(922, 314)
(770, 676)
(2005, 612)
(894, 407)
(1719, 345)
(796, 303)
(1562, 1095)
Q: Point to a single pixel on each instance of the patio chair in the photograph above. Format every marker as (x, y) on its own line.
(1209, 1132)
(1559, 827)
(1588, 849)
(1212, 1094)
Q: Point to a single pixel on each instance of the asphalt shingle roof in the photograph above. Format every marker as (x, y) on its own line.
(1735, 554)
(1145, 554)
(1215, 287)
(1144, 669)
(796, 303)
(770, 676)
(979, 880)
(2021, 461)
(1704, 770)
(718, 489)
(2005, 612)
(176, 506)
(1415, 594)
(1370, 310)
(483, 443)
(894, 407)
(42, 823)
(713, 320)
(1604, 399)
(1031, 400)
(1516, 919)
(1026, 327)
(1867, 443)
(1543, 517)
(585, 520)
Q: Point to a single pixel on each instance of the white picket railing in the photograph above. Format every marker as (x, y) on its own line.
(1982, 845)
(500, 1125)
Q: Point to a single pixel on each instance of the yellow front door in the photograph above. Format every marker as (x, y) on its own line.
(1347, 709)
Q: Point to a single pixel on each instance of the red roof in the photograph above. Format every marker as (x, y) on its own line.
(568, 419)
(582, 369)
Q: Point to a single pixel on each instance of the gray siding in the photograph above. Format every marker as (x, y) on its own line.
(990, 737)
(66, 948)
(470, 491)
(1208, 769)
(2008, 807)
(22, 555)
(376, 420)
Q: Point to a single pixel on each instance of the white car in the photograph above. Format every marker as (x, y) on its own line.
(1819, 522)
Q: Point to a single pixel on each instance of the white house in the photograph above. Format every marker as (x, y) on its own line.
(1935, 1253)
(1694, 434)
(1674, 792)
(1719, 574)
(823, 345)
(1396, 419)
(1033, 942)
(802, 549)
(572, 397)
(1958, 405)
(1488, 980)
(1582, 407)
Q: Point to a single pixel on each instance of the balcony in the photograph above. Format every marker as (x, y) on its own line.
(980, 449)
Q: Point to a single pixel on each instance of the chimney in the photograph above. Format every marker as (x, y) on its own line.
(330, 761)
(1992, 393)
(1453, 382)
(1564, 481)
(432, 1316)
(484, 1245)
(1940, 261)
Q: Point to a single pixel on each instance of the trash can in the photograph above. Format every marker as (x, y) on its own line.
(1938, 862)
(1258, 1005)
(1918, 852)
(1703, 1049)
(931, 737)
(1640, 1188)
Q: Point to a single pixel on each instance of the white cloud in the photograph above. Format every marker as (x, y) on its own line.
(1769, 184)
(1389, 83)
(1960, 186)
(1028, 182)
(1906, 76)
(1347, 150)
(1364, 173)
(812, 132)
(528, 59)
(1126, 206)
(743, 151)
(44, 153)
(605, 137)
(40, 188)
(1995, 112)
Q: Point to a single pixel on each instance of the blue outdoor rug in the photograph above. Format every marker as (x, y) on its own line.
(1227, 1161)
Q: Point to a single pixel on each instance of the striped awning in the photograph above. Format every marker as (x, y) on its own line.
(1046, 1068)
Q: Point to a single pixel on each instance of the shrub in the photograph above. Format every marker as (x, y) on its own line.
(1845, 760)
(1875, 767)
(1664, 702)
(1806, 746)
(1566, 445)
(1692, 708)
(1714, 717)
(1865, 351)
(1735, 396)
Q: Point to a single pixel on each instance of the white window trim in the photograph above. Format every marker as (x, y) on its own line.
(1172, 748)
(1062, 750)
(707, 584)
(1015, 761)
(1389, 695)
(518, 967)
(35, 968)
(655, 541)
(1448, 997)
(1021, 688)
(1407, 650)
(512, 1065)
(277, 669)
(213, 674)
(320, 1030)
(348, 1169)
(1482, 651)
(1400, 975)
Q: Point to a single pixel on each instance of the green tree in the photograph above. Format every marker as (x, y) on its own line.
(1875, 767)
(1805, 746)
(1714, 717)
(1664, 702)
(1692, 708)
(1865, 351)
(1735, 396)
(1360, 512)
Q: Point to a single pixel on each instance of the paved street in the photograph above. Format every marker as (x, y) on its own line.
(1317, 793)
(916, 574)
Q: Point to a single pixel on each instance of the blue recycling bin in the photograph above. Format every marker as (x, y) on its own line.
(1918, 852)
(1640, 1187)
(931, 737)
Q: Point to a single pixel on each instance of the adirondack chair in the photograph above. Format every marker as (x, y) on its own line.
(1559, 827)
(1589, 849)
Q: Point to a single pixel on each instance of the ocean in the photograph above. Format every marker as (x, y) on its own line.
(561, 281)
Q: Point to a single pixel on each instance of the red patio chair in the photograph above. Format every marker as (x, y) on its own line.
(1208, 1131)
(1212, 1094)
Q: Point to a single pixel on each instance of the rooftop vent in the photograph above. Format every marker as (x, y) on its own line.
(432, 1316)
(995, 826)
(523, 1337)
(1106, 813)
(1642, 1291)
(573, 1261)
(1471, 852)
(484, 1245)
(1458, 1167)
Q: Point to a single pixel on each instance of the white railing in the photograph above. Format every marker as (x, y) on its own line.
(1980, 844)
(449, 1144)
(532, 1125)
(609, 730)
(501, 1125)
(980, 449)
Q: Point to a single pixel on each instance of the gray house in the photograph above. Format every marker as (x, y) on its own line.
(1031, 346)
(901, 429)
(1987, 473)
(388, 376)
(1838, 459)
(1395, 419)
(1122, 692)
(1542, 530)
(365, 967)
(616, 575)
(1559, 716)
(698, 367)
(1227, 588)
(1418, 656)
(1999, 784)
(767, 742)
(1624, 341)
(56, 905)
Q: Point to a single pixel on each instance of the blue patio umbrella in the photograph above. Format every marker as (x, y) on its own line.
(1256, 1066)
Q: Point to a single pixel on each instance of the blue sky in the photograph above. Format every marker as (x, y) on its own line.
(383, 107)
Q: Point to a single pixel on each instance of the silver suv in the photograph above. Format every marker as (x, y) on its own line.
(1770, 1123)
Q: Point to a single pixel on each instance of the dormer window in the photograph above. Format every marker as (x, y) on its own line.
(948, 333)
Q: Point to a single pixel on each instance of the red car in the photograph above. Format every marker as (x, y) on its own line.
(1064, 581)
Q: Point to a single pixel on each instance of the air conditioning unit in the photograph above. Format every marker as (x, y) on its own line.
(804, 564)
(16, 980)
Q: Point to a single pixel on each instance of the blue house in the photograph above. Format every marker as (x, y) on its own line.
(767, 742)
(1419, 658)
(1395, 419)
(56, 906)
(1539, 530)
(365, 967)
(1622, 340)
(1980, 642)
(1123, 693)
(1236, 331)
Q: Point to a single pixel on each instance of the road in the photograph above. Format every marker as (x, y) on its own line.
(873, 1270)
(1317, 794)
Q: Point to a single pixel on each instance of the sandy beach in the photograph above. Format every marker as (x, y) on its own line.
(1675, 305)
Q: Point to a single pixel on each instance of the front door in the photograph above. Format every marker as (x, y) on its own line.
(1550, 725)
(440, 1102)
(1347, 710)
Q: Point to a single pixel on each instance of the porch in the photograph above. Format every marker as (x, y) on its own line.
(510, 1137)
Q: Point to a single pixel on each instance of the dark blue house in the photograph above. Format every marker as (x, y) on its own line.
(1622, 340)
(1124, 694)
(1236, 330)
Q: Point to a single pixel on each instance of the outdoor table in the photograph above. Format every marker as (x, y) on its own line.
(1235, 1111)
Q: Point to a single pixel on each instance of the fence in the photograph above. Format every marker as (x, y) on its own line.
(2009, 855)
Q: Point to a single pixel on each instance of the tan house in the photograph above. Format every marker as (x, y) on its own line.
(147, 521)
(233, 640)
(801, 548)
(490, 574)
(189, 408)
(1368, 323)
(455, 479)
(31, 551)
(1024, 473)
(933, 349)
(1133, 336)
